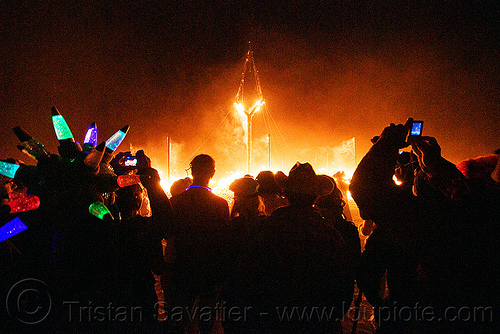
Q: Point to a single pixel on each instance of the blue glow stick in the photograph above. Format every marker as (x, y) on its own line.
(115, 140)
(91, 135)
(15, 226)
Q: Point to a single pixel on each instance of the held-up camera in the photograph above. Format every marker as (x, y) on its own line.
(416, 128)
(130, 161)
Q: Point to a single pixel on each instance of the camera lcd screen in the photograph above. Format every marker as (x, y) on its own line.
(416, 128)
(130, 162)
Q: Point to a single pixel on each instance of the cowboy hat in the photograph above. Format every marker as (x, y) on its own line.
(303, 180)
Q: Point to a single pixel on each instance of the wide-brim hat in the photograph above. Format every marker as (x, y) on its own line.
(303, 180)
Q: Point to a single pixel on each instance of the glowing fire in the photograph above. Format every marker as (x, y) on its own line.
(219, 186)
(257, 105)
(395, 179)
(166, 183)
(242, 117)
(239, 107)
(242, 112)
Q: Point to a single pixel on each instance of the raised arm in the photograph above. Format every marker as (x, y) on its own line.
(372, 186)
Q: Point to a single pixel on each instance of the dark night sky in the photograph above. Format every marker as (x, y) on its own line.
(329, 70)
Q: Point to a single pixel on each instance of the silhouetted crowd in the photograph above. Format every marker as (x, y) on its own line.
(91, 243)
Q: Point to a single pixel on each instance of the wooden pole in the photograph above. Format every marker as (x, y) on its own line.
(168, 158)
(269, 147)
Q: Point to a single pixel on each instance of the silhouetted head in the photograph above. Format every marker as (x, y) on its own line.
(267, 183)
(180, 186)
(483, 170)
(244, 187)
(246, 200)
(129, 200)
(202, 166)
(479, 168)
(333, 201)
(303, 186)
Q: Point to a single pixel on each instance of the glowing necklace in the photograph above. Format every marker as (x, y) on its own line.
(197, 186)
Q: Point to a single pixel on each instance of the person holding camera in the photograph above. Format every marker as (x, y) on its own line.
(449, 225)
(145, 218)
